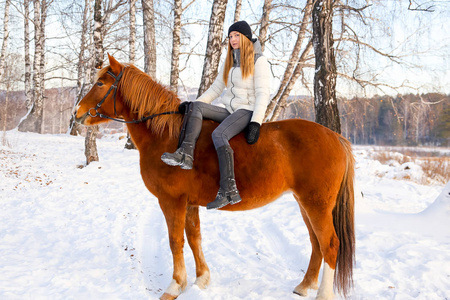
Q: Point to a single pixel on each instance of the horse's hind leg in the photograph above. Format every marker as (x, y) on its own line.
(311, 279)
(319, 212)
(195, 239)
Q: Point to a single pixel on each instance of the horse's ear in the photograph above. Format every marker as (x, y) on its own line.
(116, 67)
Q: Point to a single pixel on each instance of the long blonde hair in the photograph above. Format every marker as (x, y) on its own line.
(247, 58)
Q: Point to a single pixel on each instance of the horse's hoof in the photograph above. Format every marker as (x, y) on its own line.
(300, 292)
(166, 296)
(203, 281)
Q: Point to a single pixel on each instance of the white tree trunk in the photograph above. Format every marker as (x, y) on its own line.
(325, 101)
(74, 127)
(5, 38)
(293, 60)
(27, 59)
(37, 54)
(213, 46)
(33, 121)
(42, 61)
(132, 40)
(265, 23)
(176, 44)
(290, 84)
(149, 38)
(90, 142)
(98, 37)
(237, 11)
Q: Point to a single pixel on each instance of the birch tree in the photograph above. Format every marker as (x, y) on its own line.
(12, 73)
(296, 73)
(27, 59)
(5, 38)
(297, 61)
(90, 143)
(237, 10)
(83, 77)
(33, 121)
(176, 44)
(132, 54)
(99, 32)
(265, 23)
(325, 102)
(149, 38)
(132, 38)
(213, 46)
(41, 72)
(178, 10)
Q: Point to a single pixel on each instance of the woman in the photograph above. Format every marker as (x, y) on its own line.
(246, 77)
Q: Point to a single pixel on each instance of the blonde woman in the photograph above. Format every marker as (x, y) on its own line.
(246, 77)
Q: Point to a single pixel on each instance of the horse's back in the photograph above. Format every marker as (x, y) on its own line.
(312, 151)
(294, 154)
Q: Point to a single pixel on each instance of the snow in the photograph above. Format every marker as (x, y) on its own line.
(97, 233)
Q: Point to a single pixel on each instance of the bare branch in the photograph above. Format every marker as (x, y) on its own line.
(392, 57)
(427, 6)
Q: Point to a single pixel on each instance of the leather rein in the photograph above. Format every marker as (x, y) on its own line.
(114, 86)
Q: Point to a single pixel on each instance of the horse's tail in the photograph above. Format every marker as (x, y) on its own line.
(343, 220)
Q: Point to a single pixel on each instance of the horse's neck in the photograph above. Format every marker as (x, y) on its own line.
(141, 135)
(144, 138)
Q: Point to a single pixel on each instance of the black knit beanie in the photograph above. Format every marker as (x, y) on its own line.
(243, 28)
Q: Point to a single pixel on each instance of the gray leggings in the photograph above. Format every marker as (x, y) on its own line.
(230, 124)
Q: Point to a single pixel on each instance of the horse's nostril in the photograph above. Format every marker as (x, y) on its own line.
(75, 110)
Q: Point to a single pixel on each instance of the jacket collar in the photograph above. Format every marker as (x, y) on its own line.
(237, 54)
(236, 57)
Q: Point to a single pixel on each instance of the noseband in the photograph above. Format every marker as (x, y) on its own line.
(114, 86)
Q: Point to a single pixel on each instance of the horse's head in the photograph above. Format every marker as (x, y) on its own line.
(102, 100)
(126, 94)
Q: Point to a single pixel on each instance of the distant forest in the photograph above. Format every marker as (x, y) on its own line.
(379, 120)
(406, 120)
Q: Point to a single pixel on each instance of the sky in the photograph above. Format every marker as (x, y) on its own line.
(420, 39)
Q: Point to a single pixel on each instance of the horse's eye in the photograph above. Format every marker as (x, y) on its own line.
(99, 83)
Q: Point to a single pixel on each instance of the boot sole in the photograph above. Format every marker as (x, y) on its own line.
(172, 162)
(218, 207)
(235, 201)
(231, 202)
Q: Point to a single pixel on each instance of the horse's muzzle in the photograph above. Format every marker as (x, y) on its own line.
(82, 119)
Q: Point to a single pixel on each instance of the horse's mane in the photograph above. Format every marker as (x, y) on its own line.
(146, 97)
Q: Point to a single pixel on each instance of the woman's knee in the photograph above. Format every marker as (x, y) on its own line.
(219, 138)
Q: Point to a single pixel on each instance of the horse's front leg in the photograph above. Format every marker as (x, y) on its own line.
(175, 213)
(195, 242)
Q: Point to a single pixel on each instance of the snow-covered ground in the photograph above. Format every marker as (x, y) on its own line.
(97, 233)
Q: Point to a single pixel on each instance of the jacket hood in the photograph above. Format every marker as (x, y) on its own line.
(237, 54)
(257, 47)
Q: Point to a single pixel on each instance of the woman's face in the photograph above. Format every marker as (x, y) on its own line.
(234, 39)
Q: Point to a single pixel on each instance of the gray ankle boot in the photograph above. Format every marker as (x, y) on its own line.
(228, 192)
(183, 156)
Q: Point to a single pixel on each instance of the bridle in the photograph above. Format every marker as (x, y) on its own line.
(114, 87)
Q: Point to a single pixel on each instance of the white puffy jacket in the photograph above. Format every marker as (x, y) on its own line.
(253, 93)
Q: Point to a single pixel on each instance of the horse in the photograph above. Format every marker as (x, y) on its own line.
(298, 156)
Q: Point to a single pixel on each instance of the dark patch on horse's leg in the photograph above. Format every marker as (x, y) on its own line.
(194, 238)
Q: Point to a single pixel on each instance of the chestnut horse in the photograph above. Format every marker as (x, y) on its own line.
(298, 156)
